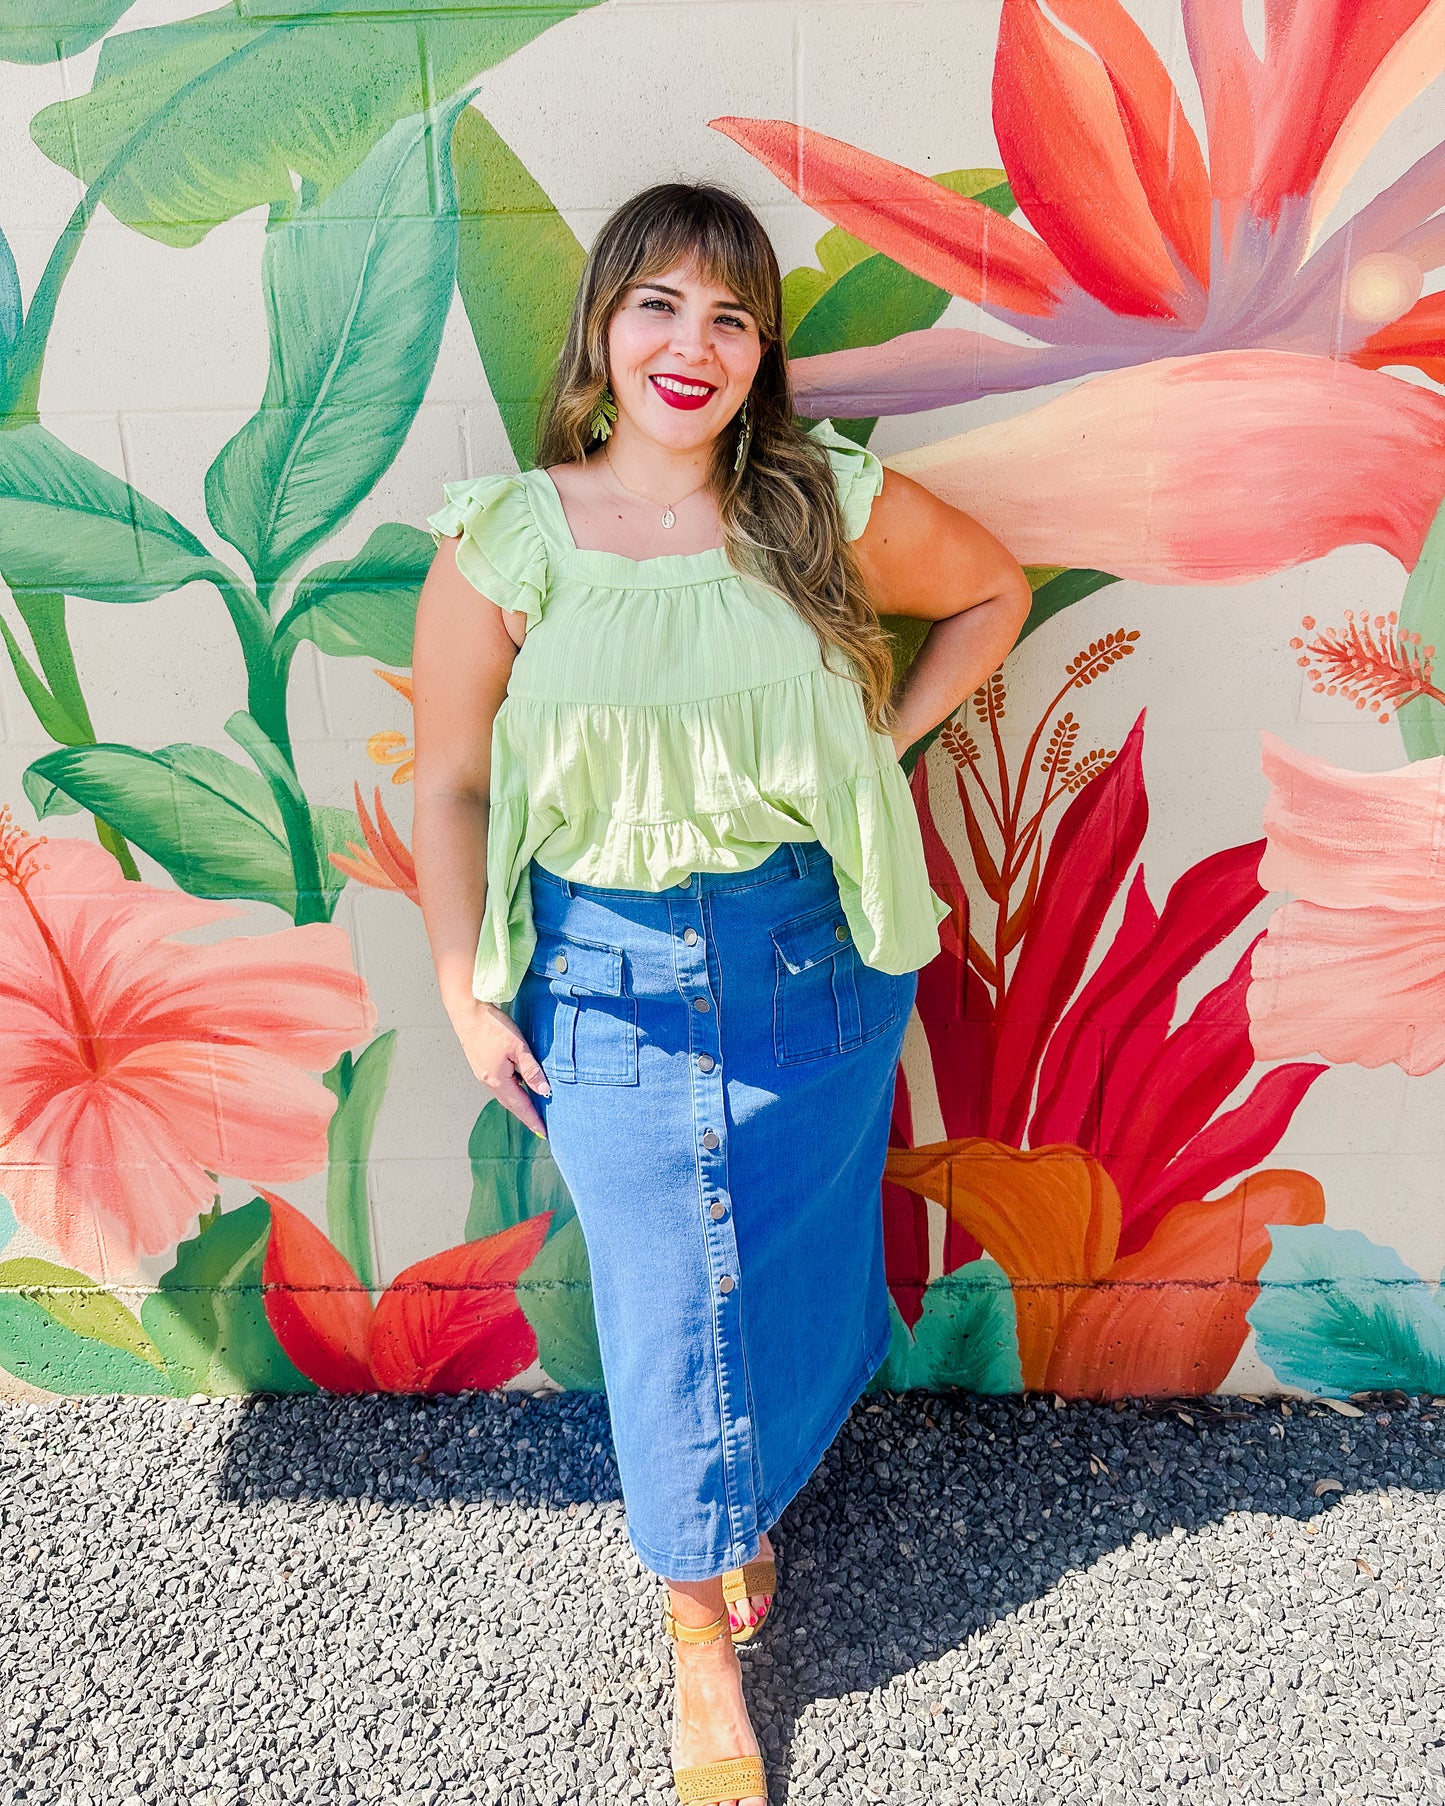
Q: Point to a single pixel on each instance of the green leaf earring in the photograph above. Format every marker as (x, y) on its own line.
(604, 416)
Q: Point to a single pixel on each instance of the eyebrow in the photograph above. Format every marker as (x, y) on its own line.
(662, 289)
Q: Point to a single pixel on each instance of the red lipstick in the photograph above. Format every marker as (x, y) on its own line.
(672, 397)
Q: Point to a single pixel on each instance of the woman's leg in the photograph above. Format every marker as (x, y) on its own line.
(711, 1720)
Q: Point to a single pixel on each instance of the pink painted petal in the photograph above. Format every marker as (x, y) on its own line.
(319, 1310)
(1229, 75)
(1208, 469)
(235, 1110)
(948, 239)
(1319, 61)
(1362, 987)
(1353, 839)
(1413, 62)
(936, 368)
(1068, 156)
(294, 994)
(102, 1177)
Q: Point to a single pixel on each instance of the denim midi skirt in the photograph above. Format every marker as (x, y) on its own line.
(722, 1064)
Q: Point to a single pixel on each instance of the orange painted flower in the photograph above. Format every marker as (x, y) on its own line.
(388, 747)
(386, 862)
(450, 1323)
(138, 1067)
(1164, 1321)
(1142, 245)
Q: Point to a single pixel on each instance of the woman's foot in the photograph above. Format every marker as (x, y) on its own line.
(710, 1721)
(756, 1606)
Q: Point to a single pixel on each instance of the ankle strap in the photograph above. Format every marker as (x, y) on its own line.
(689, 1633)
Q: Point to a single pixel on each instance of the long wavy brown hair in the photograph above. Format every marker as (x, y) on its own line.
(780, 514)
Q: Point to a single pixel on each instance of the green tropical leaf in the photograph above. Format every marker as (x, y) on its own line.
(194, 122)
(79, 1304)
(364, 607)
(60, 28)
(513, 1176)
(359, 1085)
(967, 1336)
(11, 305)
(555, 1294)
(857, 296)
(212, 823)
(1422, 720)
(518, 267)
(335, 831)
(45, 1353)
(67, 525)
(208, 1316)
(357, 291)
(1338, 1313)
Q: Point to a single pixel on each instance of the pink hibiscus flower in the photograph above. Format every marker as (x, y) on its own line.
(138, 1066)
(1353, 969)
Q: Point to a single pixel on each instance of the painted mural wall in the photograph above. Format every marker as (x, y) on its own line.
(1156, 290)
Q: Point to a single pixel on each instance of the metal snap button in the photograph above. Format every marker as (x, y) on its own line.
(701, 1003)
(726, 1283)
(710, 1138)
(690, 936)
(841, 931)
(560, 962)
(718, 1211)
(684, 883)
(705, 1062)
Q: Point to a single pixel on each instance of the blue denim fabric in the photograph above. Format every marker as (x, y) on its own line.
(722, 1065)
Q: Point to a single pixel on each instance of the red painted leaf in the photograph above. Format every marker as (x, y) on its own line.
(451, 1323)
(320, 1311)
(1092, 849)
(1231, 1144)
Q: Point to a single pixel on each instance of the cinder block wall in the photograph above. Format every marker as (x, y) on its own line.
(1154, 290)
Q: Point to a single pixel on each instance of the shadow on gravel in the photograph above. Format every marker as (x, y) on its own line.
(930, 1517)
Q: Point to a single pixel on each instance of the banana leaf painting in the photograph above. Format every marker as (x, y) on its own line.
(1167, 316)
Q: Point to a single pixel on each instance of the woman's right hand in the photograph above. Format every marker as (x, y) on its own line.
(500, 1057)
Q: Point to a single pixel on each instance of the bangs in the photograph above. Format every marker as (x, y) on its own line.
(726, 247)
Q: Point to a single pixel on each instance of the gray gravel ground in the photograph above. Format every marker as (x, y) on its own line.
(323, 1599)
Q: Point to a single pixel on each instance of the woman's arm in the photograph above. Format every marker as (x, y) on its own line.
(919, 556)
(460, 666)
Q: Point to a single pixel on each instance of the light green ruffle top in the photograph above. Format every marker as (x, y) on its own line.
(670, 715)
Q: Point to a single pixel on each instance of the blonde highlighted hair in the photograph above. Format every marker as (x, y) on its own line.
(780, 515)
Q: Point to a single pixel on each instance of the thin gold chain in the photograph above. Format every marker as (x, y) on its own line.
(666, 507)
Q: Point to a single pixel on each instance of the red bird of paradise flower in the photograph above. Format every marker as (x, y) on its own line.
(1141, 247)
(1084, 1129)
(449, 1323)
(1240, 356)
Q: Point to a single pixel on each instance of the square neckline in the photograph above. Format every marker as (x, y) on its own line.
(569, 541)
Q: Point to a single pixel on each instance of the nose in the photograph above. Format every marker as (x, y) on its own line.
(692, 338)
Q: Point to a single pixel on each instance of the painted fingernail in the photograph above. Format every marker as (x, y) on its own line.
(537, 1132)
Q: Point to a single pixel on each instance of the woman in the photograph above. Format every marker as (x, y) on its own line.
(659, 813)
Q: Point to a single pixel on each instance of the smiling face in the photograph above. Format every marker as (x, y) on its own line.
(683, 352)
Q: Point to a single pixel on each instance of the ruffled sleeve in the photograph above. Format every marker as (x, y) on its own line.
(502, 552)
(857, 472)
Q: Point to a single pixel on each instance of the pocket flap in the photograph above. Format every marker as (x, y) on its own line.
(578, 965)
(818, 936)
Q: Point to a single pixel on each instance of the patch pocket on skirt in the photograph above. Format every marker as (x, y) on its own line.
(594, 1024)
(826, 998)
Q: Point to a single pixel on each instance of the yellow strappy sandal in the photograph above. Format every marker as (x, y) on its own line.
(737, 1777)
(760, 1576)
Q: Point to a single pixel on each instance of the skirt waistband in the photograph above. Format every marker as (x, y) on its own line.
(788, 858)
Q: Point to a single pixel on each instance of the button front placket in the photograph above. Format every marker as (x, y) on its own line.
(691, 929)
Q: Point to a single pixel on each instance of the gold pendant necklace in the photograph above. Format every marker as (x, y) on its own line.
(669, 517)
